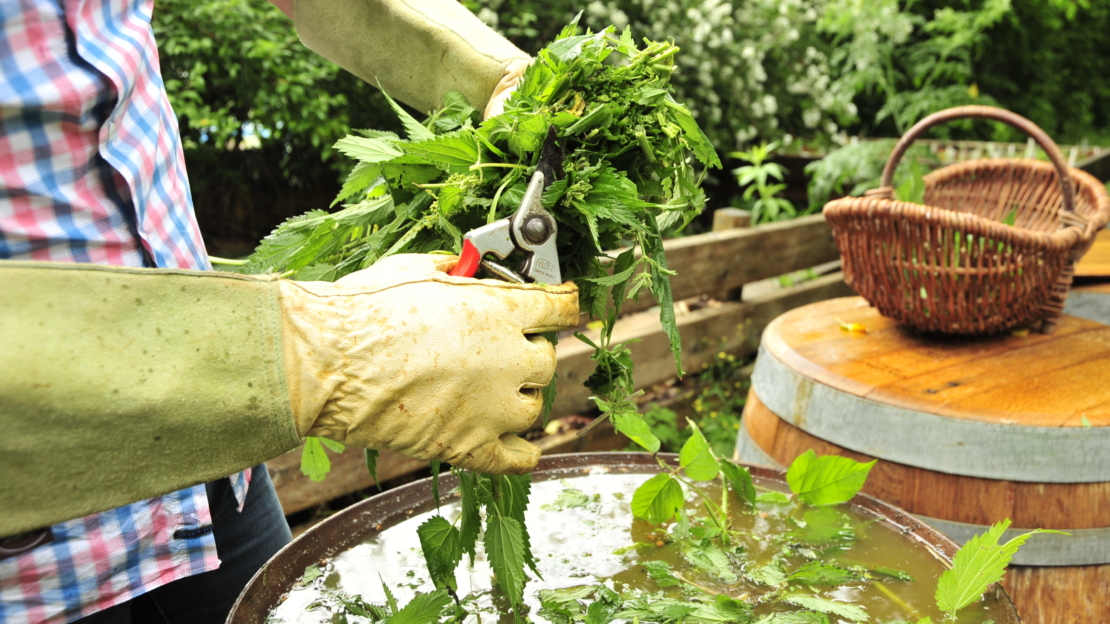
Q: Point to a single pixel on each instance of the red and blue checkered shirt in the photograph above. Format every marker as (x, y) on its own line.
(91, 170)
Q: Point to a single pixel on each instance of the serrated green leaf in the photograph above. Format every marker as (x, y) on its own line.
(332, 445)
(311, 573)
(772, 574)
(316, 273)
(390, 601)
(470, 521)
(314, 461)
(799, 617)
(816, 573)
(853, 613)
(371, 456)
(696, 456)
(823, 526)
(658, 499)
(977, 565)
(826, 480)
(660, 572)
(569, 498)
(413, 128)
(661, 289)
(505, 548)
(450, 152)
(632, 425)
(774, 498)
(358, 180)
(710, 558)
(739, 479)
(699, 143)
(368, 150)
(422, 609)
(442, 547)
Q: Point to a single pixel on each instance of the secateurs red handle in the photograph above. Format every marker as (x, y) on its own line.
(531, 229)
(469, 261)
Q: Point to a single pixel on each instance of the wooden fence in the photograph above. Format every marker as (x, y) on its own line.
(717, 264)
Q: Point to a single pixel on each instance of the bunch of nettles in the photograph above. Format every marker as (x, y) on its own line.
(630, 172)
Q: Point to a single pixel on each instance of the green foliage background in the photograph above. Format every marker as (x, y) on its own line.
(795, 71)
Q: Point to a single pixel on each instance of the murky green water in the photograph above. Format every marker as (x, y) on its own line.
(594, 544)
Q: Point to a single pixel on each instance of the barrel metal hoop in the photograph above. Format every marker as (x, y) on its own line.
(1078, 547)
(1093, 306)
(942, 444)
(748, 451)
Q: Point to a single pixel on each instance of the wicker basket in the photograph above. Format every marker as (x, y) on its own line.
(953, 265)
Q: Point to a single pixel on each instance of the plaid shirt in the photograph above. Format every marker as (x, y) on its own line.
(91, 170)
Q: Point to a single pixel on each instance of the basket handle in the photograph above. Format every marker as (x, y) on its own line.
(998, 114)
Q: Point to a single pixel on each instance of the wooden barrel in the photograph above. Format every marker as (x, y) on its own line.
(968, 432)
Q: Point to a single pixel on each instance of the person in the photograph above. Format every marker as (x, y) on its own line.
(134, 379)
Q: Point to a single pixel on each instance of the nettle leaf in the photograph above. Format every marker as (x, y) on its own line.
(771, 574)
(358, 180)
(470, 523)
(739, 479)
(450, 152)
(824, 526)
(413, 128)
(367, 150)
(827, 480)
(843, 610)
(442, 546)
(316, 273)
(800, 617)
(816, 573)
(658, 499)
(505, 548)
(372, 465)
(709, 558)
(696, 456)
(314, 461)
(978, 564)
(661, 289)
(631, 424)
(660, 572)
(569, 498)
(422, 609)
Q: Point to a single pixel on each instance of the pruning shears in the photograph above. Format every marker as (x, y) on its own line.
(531, 229)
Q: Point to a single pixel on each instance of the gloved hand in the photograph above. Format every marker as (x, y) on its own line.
(506, 87)
(404, 357)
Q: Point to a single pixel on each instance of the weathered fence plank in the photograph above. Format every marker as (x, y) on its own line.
(716, 263)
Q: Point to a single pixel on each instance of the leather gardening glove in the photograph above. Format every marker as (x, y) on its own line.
(404, 357)
(119, 384)
(506, 87)
(415, 50)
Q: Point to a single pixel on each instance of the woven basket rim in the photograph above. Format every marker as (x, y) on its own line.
(1064, 238)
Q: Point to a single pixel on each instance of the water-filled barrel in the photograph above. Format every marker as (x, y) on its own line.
(968, 431)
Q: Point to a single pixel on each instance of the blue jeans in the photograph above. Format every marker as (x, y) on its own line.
(244, 540)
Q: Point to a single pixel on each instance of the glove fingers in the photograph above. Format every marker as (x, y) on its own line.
(532, 363)
(506, 455)
(535, 309)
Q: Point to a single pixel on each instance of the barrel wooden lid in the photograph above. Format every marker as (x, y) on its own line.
(1056, 380)
(1096, 262)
